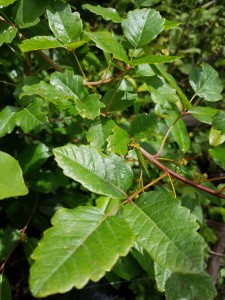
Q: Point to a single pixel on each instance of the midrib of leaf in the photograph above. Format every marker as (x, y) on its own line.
(203, 84)
(163, 233)
(56, 269)
(32, 115)
(95, 175)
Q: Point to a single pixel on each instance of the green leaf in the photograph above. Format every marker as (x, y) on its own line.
(11, 179)
(108, 43)
(179, 131)
(161, 277)
(219, 121)
(153, 59)
(106, 175)
(32, 117)
(5, 3)
(7, 120)
(90, 107)
(203, 114)
(216, 137)
(8, 238)
(118, 100)
(66, 26)
(118, 141)
(39, 42)
(142, 26)
(218, 155)
(7, 33)
(153, 218)
(82, 245)
(206, 83)
(143, 125)
(99, 131)
(108, 14)
(170, 24)
(29, 11)
(33, 157)
(190, 286)
(5, 290)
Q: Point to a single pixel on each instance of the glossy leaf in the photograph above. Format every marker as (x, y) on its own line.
(218, 155)
(33, 157)
(203, 114)
(143, 125)
(161, 277)
(66, 26)
(99, 131)
(108, 43)
(32, 117)
(82, 245)
(190, 286)
(29, 11)
(153, 217)
(142, 26)
(5, 3)
(179, 131)
(216, 138)
(206, 83)
(39, 42)
(108, 14)
(118, 141)
(5, 290)
(153, 59)
(7, 120)
(11, 179)
(219, 121)
(7, 33)
(106, 175)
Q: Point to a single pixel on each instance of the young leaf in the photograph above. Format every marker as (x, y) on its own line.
(11, 179)
(7, 33)
(142, 26)
(29, 11)
(218, 155)
(219, 121)
(153, 59)
(216, 138)
(118, 141)
(82, 245)
(106, 175)
(203, 114)
(7, 120)
(179, 131)
(206, 83)
(108, 43)
(190, 286)
(143, 125)
(5, 3)
(5, 290)
(39, 42)
(66, 26)
(108, 14)
(153, 217)
(31, 117)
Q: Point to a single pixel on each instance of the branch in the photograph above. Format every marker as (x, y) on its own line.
(49, 61)
(179, 177)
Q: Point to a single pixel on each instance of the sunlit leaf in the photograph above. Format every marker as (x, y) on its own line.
(142, 26)
(153, 59)
(106, 175)
(108, 14)
(190, 286)
(161, 277)
(82, 245)
(203, 114)
(5, 3)
(216, 137)
(66, 26)
(206, 83)
(108, 43)
(153, 217)
(118, 141)
(39, 42)
(90, 107)
(11, 179)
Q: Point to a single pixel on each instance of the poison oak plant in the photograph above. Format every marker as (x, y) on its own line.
(94, 135)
